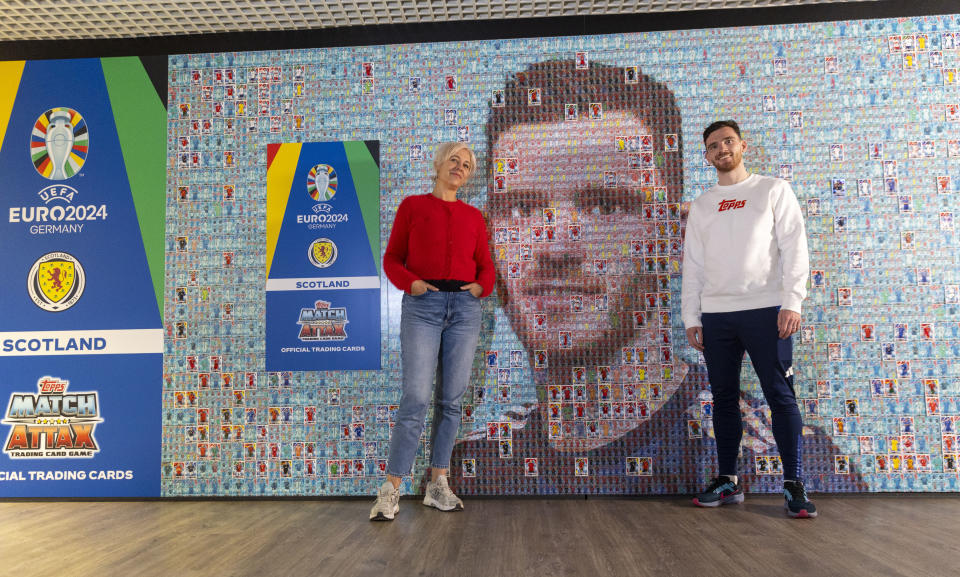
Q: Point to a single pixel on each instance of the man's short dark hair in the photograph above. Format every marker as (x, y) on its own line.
(561, 83)
(718, 125)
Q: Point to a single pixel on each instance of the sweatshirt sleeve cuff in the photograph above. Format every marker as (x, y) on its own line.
(792, 303)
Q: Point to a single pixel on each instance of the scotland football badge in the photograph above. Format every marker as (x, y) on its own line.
(59, 143)
(56, 281)
(322, 253)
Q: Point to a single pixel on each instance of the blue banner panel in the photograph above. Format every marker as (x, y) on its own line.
(80, 426)
(81, 338)
(323, 281)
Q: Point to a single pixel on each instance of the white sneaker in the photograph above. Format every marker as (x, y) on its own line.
(388, 503)
(441, 497)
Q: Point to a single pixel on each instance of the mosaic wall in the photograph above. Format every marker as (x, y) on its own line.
(589, 150)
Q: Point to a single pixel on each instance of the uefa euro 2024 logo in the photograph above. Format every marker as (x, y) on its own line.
(59, 143)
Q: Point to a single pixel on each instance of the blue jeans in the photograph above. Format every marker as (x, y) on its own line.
(439, 332)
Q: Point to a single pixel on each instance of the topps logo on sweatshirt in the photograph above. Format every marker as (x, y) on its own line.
(731, 204)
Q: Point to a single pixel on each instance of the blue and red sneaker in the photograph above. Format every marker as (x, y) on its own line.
(722, 491)
(797, 504)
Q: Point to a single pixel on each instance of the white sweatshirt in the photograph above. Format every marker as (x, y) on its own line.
(745, 248)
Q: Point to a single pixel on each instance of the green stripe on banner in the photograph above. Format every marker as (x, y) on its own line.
(366, 179)
(141, 121)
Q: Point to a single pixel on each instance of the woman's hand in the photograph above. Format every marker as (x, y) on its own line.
(418, 287)
(475, 289)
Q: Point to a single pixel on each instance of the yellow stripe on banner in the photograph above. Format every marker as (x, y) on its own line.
(10, 73)
(279, 180)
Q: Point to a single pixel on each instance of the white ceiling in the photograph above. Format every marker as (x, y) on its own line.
(100, 19)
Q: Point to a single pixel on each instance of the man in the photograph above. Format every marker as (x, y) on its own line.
(745, 271)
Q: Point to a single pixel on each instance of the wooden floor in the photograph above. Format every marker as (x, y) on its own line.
(854, 535)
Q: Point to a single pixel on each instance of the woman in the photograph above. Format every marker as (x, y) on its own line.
(439, 256)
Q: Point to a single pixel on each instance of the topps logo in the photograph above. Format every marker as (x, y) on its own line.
(731, 204)
(52, 423)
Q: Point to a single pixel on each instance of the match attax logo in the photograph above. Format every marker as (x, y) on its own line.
(52, 423)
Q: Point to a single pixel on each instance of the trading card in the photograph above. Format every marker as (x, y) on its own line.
(671, 142)
(901, 331)
(905, 203)
(882, 463)
(839, 186)
(949, 443)
(786, 172)
(950, 462)
(907, 239)
(761, 464)
(891, 388)
(914, 150)
(769, 103)
(844, 296)
(582, 467)
(780, 66)
(834, 352)
(836, 152)
(531, 467)
(852, 407)
(903, 369)
(534, 97)
(706, 409)
(817, 278)
(943, 184)
(841, 464)
(839, 426)
(775, 464)
(646, 466)
(946, 221)
(596, 111)
(824, 389)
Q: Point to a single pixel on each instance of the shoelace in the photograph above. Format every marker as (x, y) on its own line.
(797, 492)
(717, 484)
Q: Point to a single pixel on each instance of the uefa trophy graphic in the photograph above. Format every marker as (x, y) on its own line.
(59, 142)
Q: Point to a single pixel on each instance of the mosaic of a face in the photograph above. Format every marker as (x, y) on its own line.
(559, 281)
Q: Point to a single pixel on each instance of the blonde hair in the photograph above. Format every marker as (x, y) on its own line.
(448, 149)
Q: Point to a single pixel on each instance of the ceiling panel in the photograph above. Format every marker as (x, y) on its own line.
(103, 19)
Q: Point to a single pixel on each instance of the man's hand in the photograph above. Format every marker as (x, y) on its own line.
(475, 289)
(788, 322)
(695, 337)
(418, 287)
